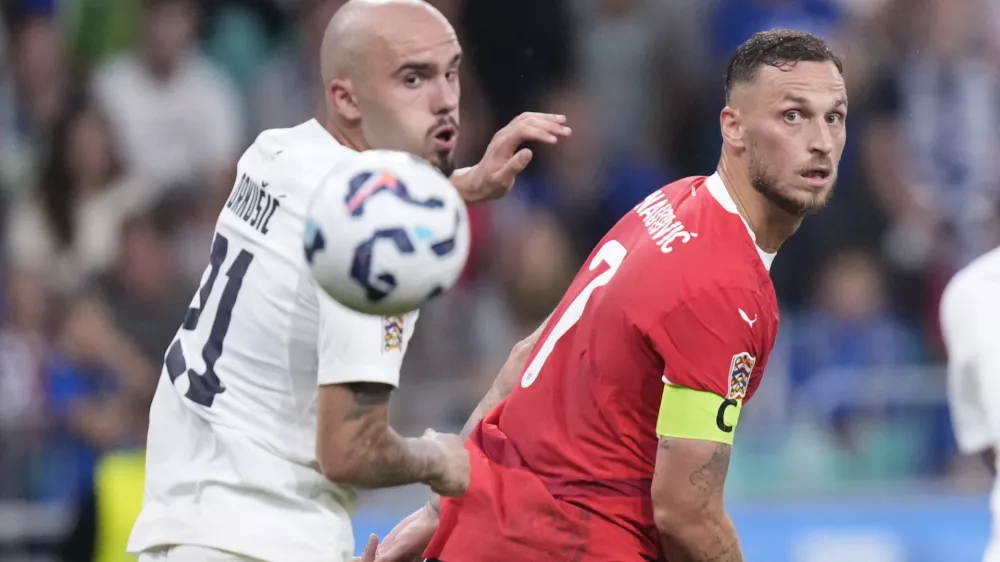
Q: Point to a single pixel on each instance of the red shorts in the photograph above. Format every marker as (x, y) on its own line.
(509, 515)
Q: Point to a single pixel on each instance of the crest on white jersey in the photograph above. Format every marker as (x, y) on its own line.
(392, 328)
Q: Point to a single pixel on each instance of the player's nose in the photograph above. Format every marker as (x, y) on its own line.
(821, 138)
(445, 98)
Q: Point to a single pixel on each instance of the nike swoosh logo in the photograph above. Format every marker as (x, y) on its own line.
(746, 317)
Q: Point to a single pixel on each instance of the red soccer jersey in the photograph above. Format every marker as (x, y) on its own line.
(676, 295)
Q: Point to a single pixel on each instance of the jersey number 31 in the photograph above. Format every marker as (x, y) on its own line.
(204, 386)
(611, 253)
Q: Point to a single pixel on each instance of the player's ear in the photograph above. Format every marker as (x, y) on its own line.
(731, 124)
(341, 97)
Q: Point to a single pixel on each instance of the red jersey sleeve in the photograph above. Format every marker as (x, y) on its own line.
(714, 347)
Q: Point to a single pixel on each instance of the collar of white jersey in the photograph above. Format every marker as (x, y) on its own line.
(315, 128)
(718, 190)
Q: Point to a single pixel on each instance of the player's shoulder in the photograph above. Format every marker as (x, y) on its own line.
(302, 155)
(973, 286)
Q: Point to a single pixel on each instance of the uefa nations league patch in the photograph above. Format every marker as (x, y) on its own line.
(392, 333)
(739, 375)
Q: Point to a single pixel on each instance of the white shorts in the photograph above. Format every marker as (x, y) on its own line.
(191, 554)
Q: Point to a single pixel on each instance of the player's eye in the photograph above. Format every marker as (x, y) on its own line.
(412, 79)
(834, 118)
(793, 116)
(452, 75)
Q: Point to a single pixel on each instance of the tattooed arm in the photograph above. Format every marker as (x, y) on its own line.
(355, 444)
(687, 501)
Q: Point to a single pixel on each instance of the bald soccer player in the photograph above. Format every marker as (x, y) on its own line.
(272, 401)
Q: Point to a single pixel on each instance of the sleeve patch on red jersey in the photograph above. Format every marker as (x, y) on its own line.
(739, 375)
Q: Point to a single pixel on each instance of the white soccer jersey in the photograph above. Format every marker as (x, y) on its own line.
(231, 455)
(970, 308)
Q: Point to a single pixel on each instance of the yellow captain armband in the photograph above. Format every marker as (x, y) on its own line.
(697, 414)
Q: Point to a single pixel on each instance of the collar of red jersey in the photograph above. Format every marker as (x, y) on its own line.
(718, 190)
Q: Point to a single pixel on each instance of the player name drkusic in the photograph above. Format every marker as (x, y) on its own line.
(252, 203)
(658, 215)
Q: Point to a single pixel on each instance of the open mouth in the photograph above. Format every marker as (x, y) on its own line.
(816, 176)
(445, 138)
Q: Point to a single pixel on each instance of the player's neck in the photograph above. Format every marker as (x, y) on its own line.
(770, 224)
(350, 137)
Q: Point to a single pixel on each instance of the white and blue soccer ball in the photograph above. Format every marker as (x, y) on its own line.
(387, 233)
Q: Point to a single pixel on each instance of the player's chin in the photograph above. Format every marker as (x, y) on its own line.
(800, 201)
(444, 161)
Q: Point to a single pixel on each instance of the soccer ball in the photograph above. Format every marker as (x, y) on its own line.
(386, 233)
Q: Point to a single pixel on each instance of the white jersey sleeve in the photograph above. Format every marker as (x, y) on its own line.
(355, 347)
(969, 309)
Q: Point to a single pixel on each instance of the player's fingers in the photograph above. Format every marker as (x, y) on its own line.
(370, 549)
(527, 133)
(516, 165)
(529, 129)
(528, 115)
(552, 127)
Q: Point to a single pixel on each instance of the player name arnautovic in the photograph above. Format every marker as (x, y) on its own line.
(252, 203)
(658, 215)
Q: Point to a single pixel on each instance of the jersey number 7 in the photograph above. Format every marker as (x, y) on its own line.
(203, 387)
(611, 253)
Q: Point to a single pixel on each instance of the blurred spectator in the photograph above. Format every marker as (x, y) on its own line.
(847, 349)
(177, 117)
(99, 29)
(541, 266)
(99, 386)
(289, 90)
(587, 189)
(618, 43)
(31, 102)
(69, 229)
(192, 214)
(24, 346)
(933, 147)
(238, 35)
(143, 292)
(850, 324)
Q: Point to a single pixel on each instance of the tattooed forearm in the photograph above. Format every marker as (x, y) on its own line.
(688, 483)
(367, 396)
(714, 542)
(378, 456)
(712, 475)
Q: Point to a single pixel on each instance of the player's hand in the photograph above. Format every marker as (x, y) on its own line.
(408, 540)
(494, 176)
(452, 478)
(371, 550)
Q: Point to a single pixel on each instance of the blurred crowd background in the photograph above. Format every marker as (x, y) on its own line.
(121, 122)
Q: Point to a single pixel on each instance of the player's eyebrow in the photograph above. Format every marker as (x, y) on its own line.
(795, 99)
(799, 100)
(425, 67)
